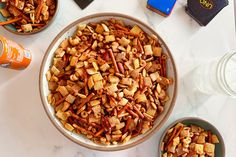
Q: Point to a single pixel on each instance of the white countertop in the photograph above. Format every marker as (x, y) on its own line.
(26, 131)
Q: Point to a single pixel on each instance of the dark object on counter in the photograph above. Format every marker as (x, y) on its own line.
(203, 11)
(83, 3)
(162, 7)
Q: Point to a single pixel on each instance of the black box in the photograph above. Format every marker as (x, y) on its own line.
(83, 3)
(203, 11)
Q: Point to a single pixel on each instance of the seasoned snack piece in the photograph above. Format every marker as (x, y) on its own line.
(193, 141)
(28, 15)
(108, 82)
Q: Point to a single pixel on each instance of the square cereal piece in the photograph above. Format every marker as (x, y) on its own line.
(209, 149)
(199, 149)
(5, 13)
(185, 132)
(164, 155)
(201, 139)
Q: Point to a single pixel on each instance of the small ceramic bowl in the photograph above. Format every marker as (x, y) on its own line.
(44, 91)
(12, 29)
(219, 148)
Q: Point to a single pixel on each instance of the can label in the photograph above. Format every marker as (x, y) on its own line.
(13, 55)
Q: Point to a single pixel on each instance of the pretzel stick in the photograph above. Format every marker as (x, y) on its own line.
(132, 113)
(113, 60)
(99, 132)
(128, 33)
(123, 109)
(39, 9)
(171, 138)
(209, 137)
(144, 90)
(60, 101)
(37, 25)
(86, 92)
(81, 129)
(85, 121)
(127, 124)
(141, 83)
(78, 118)
(10, 21)
(95, 125)
(175, 134)
(15, 9)
(138, 112)
(121, 27)
(140, 46)
(85, 101)
(163, 64)
(121, 67)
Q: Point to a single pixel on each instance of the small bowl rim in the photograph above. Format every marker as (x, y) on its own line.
(153, 130)
(41, 29)
(192, 119)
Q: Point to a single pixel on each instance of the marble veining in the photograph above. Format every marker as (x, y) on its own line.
(26, 130)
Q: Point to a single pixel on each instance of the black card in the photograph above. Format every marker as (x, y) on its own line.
(203, 11)
(83, 3)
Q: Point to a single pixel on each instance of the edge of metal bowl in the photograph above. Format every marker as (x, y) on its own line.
(191, 119)
(148, 134)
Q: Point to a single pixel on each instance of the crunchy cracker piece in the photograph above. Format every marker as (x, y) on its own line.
(5, 12)
(201, 139)
(209, 149)
(199, 149)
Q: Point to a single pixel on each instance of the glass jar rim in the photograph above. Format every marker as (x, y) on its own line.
(222, 65)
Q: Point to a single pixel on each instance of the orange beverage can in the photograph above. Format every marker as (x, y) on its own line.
(13, 55)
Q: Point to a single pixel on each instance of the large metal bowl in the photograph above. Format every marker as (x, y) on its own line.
(44, 91)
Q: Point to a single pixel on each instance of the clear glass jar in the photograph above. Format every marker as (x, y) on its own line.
(218, 76)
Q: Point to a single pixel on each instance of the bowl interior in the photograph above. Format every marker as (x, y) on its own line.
(13, 29)
(219, 148)
(44, 91)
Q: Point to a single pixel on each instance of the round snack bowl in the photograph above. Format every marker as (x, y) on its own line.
(12, 29)
(219, 148)
(44, 91)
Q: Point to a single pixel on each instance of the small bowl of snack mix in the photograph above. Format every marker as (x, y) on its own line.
(108, 82)
(25, 17)
(191, 137)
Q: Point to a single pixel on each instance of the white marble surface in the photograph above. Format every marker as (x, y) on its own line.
(26, 131)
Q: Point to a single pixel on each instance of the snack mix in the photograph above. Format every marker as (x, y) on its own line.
(108, 81)
(28, 15)
(189, 141)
